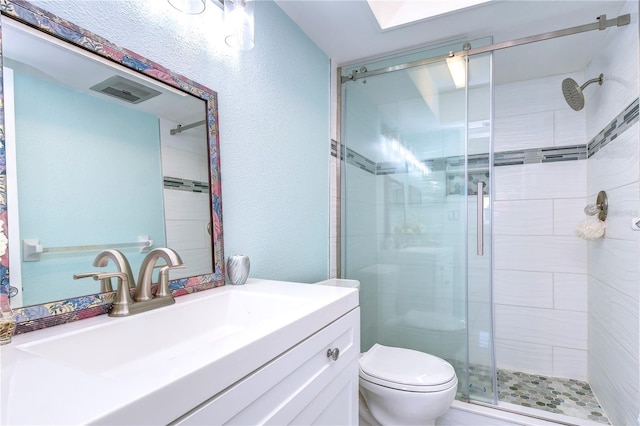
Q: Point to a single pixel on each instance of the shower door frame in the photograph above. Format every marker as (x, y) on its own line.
(601, 24)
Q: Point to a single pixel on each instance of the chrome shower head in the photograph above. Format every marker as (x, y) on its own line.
(573, 92)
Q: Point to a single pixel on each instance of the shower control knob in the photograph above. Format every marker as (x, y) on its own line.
(333, 353)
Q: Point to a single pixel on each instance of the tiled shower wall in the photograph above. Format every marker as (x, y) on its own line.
(540, 267)
(613, 261)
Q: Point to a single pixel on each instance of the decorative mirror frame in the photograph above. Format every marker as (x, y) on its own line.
(53, 313)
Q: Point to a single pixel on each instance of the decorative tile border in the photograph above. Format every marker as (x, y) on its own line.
(358, 160)
(185, 184)
(334, 148)
(474, 162)
(45, 315)
(627, 118)
(540, 155)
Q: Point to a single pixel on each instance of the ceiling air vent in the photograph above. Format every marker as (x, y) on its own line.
(126, 90)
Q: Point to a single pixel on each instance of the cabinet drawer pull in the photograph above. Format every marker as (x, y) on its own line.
(333, 353)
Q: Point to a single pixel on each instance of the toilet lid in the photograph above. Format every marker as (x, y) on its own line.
(406, 369)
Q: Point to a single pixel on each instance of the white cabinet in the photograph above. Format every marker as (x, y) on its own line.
(302, 386)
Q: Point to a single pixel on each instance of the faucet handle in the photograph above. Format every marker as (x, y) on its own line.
(105, 283)
(163, 280)
(123, 300)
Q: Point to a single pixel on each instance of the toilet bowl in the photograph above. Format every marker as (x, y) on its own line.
(406, 387)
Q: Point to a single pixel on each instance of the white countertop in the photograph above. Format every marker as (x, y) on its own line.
(52, 390)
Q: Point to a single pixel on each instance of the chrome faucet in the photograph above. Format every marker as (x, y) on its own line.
(143, 299)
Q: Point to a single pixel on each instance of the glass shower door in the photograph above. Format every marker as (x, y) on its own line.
(409, 211)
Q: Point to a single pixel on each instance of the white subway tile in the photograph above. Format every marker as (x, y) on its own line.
(616, 164)
(185, 205)
(570, 363)
(184, 164)
(541, 326)
(183, 235)
(570, 127)
(617, 313)
(615, 262)
(567, 214)
(523, 131)
(521, 288)
(519, 356)
(570, 292)
(531, 96)
(613, 376)
(542, 254)
(566, 179)
(523, 217)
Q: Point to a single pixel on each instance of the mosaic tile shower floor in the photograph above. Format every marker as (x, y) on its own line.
(563, 396)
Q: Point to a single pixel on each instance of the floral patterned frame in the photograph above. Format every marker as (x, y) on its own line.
(49, 314)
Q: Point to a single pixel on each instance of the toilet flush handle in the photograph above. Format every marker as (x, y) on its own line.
(333, 353)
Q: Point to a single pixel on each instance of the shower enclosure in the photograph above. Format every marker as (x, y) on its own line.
(417, 185)
(463, 181)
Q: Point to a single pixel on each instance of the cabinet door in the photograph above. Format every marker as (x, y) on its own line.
(302, 386)
(336, 404)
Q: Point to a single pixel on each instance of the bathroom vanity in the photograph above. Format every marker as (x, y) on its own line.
(264, 352)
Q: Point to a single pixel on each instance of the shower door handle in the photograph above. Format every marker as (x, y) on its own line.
(480, 218)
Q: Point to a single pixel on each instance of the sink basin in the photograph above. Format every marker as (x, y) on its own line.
(124, 346)
(153, 367)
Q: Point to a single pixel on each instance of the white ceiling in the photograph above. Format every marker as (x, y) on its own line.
(348, 33)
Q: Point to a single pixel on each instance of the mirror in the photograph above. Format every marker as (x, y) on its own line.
(104, 149)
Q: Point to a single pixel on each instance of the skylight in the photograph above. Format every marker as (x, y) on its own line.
(393, 13)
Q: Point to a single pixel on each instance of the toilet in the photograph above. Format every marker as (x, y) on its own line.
(405, 387)
(401, 386)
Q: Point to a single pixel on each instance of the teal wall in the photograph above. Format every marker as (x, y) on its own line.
(274, 121)
(87, 150)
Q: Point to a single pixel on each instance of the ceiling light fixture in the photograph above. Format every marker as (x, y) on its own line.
(458, 69)
(238, 22)
(238, 19)
(192, 7)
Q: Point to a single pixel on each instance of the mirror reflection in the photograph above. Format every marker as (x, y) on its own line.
(105, 158)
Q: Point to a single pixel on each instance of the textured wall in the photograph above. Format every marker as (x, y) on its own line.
(274, 121)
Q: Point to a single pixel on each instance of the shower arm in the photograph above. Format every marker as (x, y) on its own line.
(593, 80)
